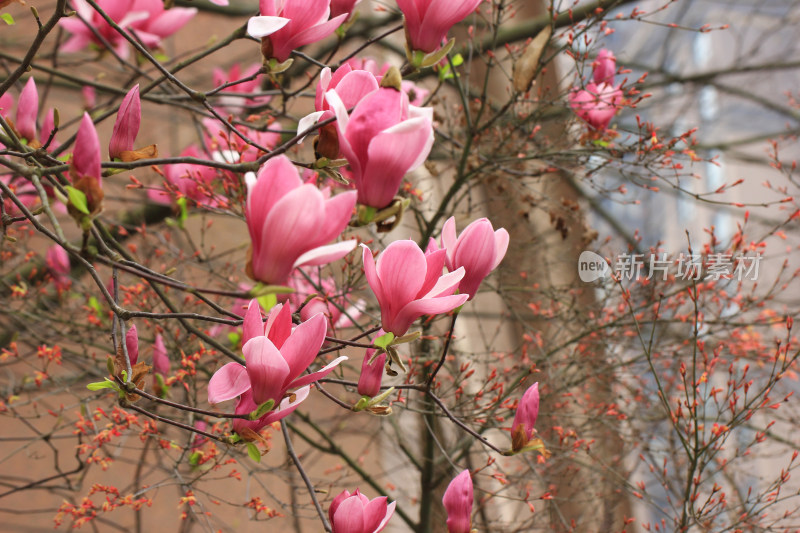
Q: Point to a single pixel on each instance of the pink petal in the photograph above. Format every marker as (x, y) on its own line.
(326, 254)
(307, 36)
(252, 325)
(126, 126)
(279, 325)
(401, 268)
(449, 240)
(266, 369)
(501, 246)
(171, 21)
(457, 501)
(355, 86)
(374, 513)
(387, 516)
(435, 263)
(286, 407)
(227, 383)
(302, 346)
(86, 155)
(27, 109)
(446, 284)
(417, 308)
(318, 375)
(349, 516)
(132, 344)
(372, 277)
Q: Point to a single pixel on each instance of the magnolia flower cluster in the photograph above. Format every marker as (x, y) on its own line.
(598, 102)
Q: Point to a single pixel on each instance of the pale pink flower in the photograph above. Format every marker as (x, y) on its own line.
(355, 513)
(57, 261)
(383, 139)
(290, 24)
(159, 23)
(597, 104)
(604, 67)
(409, 283)
(479, 249)
(428, 21)
(457, 502)
(290, 222)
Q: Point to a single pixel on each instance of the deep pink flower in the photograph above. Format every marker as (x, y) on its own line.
(369, 382)
(276, 361)
(236, 104)
(132, 344)
(479, 249)
(27, 109)
(343, 7)
(57, 261)
(604, 67)
(187, 179)
(290, 24)
(355, 513)
(159, 22)
(409, 283)
(458, 503)
(160, 358)
(147, 18)
(246, 405)
(525, 418)
(597, 104)
(383, 139)
(126, 126)
(428, 21)
(86, 155)
(290, 222)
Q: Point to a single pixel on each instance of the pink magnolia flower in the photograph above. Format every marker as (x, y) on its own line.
(160, 359)
(147, 18)
(27, 108)
(479, 249)
(127, 124)
(416, 94)
(428, 21)
(57, 261)
(597, 104)
(409, 284)
(86, 155)
(275, 359)
(604, 67)
(246, 405)
(290, 222)
(236, 104)
(89, 96)
(343, 7)
(329, 301)
(525, 418)
(132, 344)
(383, 139)
(369, 382)
(355, 513)
(458, 503)
(189, 180)
(285, 25)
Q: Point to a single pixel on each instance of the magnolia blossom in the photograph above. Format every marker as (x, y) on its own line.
(355, 513)
(132, 344)
(369, 382)
(160, 358)
(458, 504)
(428, 21)
(276, 359)
(85, 167)
(384, 138)
(285, 25)
(416, 94)
(343, 7)
(57, 261)
(409, 283)
(604, 67)
(597, 104)
(479, 249)
(189, 180)
(126, 127)
(290, 222)
(245, 405)
(525, 418)
(27, 108)
(147, 18)
(236, 104)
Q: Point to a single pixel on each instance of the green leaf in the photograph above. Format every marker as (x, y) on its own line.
(457, 60)
(95, 305)
(268, 301)
(361, 404)
(183, 212)
(262, 409)
(253, 452)
(234, 338)
(194, 458)
(77, 199)
(384, 340)
(99, 385)
(7, 18)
